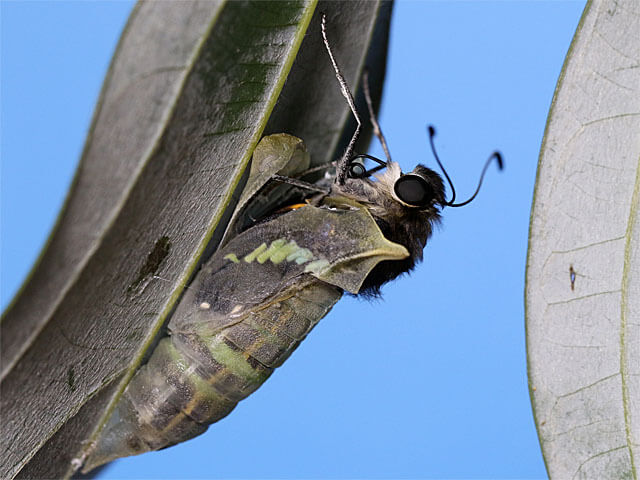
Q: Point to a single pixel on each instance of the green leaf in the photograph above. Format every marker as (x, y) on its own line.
(190, 91)
(583, 269)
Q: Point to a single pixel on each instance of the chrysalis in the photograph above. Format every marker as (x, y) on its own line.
(279, 272)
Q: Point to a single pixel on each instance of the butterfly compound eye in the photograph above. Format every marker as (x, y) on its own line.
(413, 190)
(357, 170)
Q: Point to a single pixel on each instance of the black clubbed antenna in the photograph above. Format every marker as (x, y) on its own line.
(449, 203)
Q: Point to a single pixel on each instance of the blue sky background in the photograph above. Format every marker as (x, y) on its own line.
(429, 382)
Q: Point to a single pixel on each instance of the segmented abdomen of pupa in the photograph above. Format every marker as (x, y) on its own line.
(223, 345)
(245, 312)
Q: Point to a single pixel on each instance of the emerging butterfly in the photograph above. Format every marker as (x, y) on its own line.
(258, 297)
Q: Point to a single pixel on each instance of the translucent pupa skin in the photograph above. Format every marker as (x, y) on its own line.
(257, 298)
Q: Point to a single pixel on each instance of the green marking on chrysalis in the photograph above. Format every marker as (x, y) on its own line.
(303, 255)
(278, 251)
(252, 256)
(273, 248)
(317, 266)
(284, 252)
(293, 255)
(235, 362)
(232, 257)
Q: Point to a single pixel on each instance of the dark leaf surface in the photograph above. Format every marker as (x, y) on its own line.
(189, 93)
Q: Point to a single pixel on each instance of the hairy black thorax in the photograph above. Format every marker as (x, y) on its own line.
(400, 223)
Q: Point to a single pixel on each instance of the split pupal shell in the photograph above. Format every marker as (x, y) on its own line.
(280, 154)
(191, 380)
(246, 311)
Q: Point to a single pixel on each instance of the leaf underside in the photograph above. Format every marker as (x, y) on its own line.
(583, 267)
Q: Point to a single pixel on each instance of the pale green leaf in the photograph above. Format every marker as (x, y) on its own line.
(583, 272)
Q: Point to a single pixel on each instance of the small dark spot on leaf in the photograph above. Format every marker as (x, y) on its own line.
(155, 258)
(572, 277)
(71, 379)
